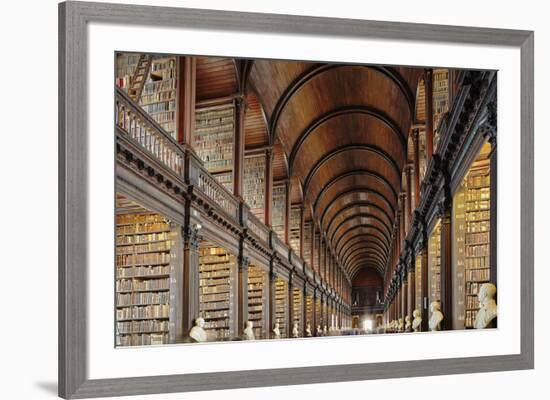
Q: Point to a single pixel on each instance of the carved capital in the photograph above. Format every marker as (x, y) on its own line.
(244, 262)
(192, 237)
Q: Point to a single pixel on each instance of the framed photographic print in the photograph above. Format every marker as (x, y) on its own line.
(255, 200)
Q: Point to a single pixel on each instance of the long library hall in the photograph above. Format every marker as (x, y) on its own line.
(269, 199)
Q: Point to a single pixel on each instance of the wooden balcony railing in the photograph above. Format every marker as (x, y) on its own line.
(258, 228)
(147, 133)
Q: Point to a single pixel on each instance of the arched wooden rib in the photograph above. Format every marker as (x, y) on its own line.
(363, 250)
(362, 244)
(318, 69)
(365, 263)
(348, 110)
(353, 272)
(368, 226)
(353, 216)
(372, 174)
(360, 257)
(359, 204)
(370, 238)
(352, 147)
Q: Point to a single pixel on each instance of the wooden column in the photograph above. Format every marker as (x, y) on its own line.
(425, 289)
(428, 91)
(411, 288)
(416, 166)
(446, 278)
(191, 282)
(238, 146)
(186, 89)
(287, 212)
(242, 294)
(403, 217)
(312, 249)
(404, 294)
(304, 311)
(270, 315)
(408, 175)
(314, 317)
(268, 186)
(290, 306)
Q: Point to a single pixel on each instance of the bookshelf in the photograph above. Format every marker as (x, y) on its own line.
(281, 305)
(254, 184)
(434, 263)
(318, 315)
(257, 300)
(213, 141)
(126, 64)
(422, 165)
(419, 296)
(440, 100)
(278, 211)
(309, 312)
(307, 243)
(217, 279)
(471, 245)
(295, 219)
(297, 308)
(158, 97)
(145, 250)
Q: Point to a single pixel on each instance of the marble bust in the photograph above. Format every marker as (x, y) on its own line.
(325, 331)
(487, 314)
(276, 331)
(407, 323)
(197, 333)
(248, 331)
(295, 333)
(319, 331)
(308, 330)
(400, 325)
(417, 320)
(436, 317)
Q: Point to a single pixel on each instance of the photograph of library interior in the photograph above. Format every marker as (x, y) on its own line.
(278, 199)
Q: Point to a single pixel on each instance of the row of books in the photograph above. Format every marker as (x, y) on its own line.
(478, 226)
(472, 302)
(143, 258)
(153, 108)
(477, 262)
(145, 248)
(143, 326)
(221, 288)
(218, 323)
(142, 271)
(210, 314)
(477, 238)
(150, 284)
(214, 297)
(142, 228)
(479, 275)
(154, 87)
(150, 311)
(144, 298)
(209, 306)
(478, 205)
(142, 339)
(477, 250)
(158, 97)
(478, 215)
(145, 238)
(138, 218)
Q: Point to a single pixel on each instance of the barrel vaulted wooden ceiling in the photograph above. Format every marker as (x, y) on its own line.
(338, 132)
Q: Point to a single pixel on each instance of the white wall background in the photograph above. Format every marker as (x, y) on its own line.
(28, 223)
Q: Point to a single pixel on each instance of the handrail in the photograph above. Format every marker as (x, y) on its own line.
(147, 133)
(258, 228)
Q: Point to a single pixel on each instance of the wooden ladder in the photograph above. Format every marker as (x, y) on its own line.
(139, 77)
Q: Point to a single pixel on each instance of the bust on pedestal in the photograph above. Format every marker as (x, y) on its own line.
(487, 315)
(319, 331)
(197, 333)
(248, 331)
(407, 323)
(308, 330)
(295, 332)
(437, 316)
(276, 331)
(417, 321)
(325, 331)
(400, 325)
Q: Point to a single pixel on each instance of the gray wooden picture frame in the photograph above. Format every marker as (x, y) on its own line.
(73, 196)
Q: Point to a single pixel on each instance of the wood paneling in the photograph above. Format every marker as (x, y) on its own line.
(216, 77)
(255, 128)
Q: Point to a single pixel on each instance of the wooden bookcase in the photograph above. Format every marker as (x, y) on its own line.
(434, 263)
(158, 97)
(295, 220)
(297, 308)
(307, 243)
(419, 295)
(213, 141)
(440, 100)
(254, 184)
(217, 279)
(318, 316)
(257, 300)
(145, 252)
(471, 245)
(281, 305)
(126, 64)
(278, 211)
(309, 312)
